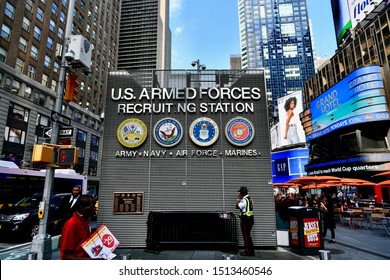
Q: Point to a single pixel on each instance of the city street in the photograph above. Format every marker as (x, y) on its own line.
(351, 244)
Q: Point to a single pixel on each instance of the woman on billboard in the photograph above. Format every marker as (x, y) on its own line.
(291, 132)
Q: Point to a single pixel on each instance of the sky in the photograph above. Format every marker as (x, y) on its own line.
(208, 30)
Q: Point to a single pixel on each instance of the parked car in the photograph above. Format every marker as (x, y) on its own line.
(20, 221)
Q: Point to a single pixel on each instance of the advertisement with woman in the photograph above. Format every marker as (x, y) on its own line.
(291, 130)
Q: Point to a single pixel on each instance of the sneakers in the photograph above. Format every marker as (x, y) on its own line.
(332, 241)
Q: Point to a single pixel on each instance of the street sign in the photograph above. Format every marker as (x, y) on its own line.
(47, 132)
(63, 133)
(59, 118)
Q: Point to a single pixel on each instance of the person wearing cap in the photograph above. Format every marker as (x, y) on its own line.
(245, 205)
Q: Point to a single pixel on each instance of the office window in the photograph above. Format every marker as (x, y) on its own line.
(5, 32)
(94, 140)
(31, 71)
(27, 92)
(285, 10)
(40, 14)
(29, 5)
(34, 52)
(54, 8)
(45, 79)
(37, 33)
(81, 136)
(49, 43)
(62, 17)
(54, 85)
(47, 61)
(26, 24)
(288, 29)
(52, 25)
(15, 86)
(42, 99)
(56, 67)
(60, 33)
(3, 55)
(19, 65)
(22, 44)
(9, 10)
(15, 134)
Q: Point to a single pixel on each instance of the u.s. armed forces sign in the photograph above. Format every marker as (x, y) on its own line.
(220, 100)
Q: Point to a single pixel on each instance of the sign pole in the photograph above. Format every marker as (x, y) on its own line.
(41, 243)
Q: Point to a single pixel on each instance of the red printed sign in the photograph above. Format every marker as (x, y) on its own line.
(311, 232)
(101, 244)
(294, 239)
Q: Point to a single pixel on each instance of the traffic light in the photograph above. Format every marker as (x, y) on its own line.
(42, 154)
(67, 156)
(71, 88)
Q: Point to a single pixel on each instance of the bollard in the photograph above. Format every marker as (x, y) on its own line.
(324, 255)
(32, 256)
(227, 257)
(126, 257)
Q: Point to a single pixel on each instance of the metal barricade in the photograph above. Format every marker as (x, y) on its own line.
(191, 230)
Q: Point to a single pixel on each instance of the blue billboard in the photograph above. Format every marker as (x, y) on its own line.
(289, 164)
(356, 99)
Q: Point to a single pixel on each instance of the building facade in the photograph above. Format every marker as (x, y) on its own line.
(346, 120)
(31, 41)
(185, 144)
(275, 35)
(145, 36)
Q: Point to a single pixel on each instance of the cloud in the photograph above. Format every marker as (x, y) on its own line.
(178, 30)
(175, 7)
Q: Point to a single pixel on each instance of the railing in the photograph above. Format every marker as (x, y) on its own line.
(191, 230)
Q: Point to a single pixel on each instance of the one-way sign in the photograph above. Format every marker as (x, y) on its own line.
(59, 118)
(47, 132)
(63, 132)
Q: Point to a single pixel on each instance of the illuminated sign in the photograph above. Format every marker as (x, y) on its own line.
(356, 99)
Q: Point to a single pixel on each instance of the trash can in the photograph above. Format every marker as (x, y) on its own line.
(305, 235)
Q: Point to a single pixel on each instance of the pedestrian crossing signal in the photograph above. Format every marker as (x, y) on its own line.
(67, 156)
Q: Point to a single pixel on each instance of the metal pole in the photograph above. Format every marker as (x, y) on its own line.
(41, 244)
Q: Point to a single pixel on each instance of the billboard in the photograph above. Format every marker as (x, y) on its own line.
(356, 99)
(359, 9)
(290, 128)
(289, 164)
(341, 19)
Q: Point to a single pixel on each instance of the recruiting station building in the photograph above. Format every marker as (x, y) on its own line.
(186, 141)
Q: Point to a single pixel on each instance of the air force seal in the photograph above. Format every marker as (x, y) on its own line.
(204, 131)
(239, 131)
(132, 133)
(168, 132)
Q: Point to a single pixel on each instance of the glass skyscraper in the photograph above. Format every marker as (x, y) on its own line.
(275, 35)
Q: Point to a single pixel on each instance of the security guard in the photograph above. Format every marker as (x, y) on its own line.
(245, 205)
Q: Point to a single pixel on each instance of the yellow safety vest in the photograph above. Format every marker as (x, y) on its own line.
(249, 208)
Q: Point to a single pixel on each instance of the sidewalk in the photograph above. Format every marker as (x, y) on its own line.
(351, 244)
